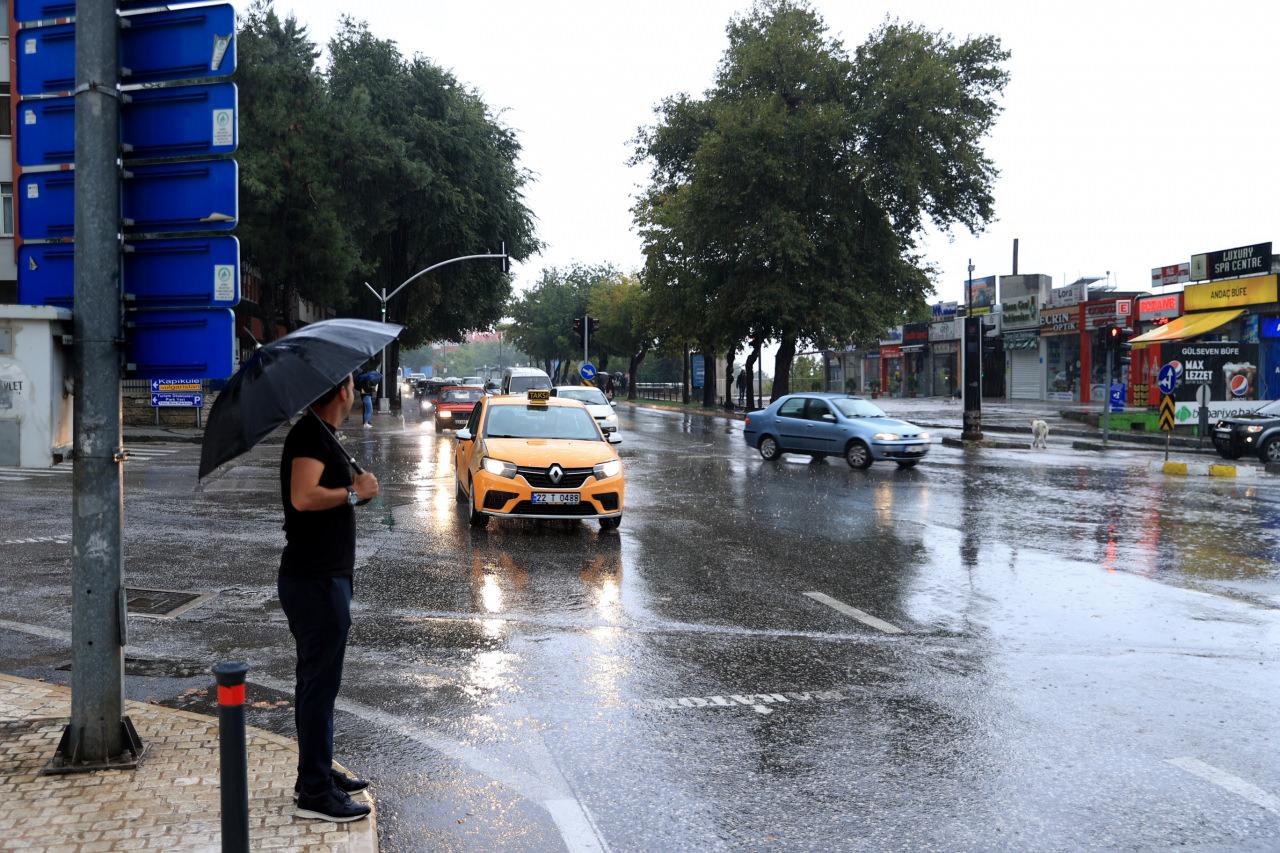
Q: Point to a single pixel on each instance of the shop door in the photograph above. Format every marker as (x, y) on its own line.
(1024, 374)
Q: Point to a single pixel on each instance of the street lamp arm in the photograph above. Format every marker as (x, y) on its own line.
(421, 273)
(375, 293)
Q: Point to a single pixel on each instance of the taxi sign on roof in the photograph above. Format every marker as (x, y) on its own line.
(539, 396)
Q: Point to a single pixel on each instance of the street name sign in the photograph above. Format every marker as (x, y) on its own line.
(167, 45)
(1166, 413)
(168, 273)
(180, 121)
(190, 342)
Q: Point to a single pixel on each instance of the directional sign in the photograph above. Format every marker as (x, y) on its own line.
(587, 371)
(168, 393)
(1169, 377)
(179, 44)
(1166, 413)
(183, 121)
(170, 273)
(171, 401)
(193, 343)
(199, 195)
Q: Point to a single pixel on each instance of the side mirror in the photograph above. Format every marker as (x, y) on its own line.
(611, 403)
(829, 418)
(463, 434)
(614, 438)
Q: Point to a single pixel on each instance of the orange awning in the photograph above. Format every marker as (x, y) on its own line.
(1187, 326)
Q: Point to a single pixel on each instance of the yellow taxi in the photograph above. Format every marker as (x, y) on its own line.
(537, 456)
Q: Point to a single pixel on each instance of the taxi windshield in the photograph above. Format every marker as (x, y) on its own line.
(590, 396)
(541, 422)
(851, 408)
(462, 395)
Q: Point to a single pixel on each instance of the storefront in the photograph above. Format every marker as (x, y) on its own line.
(1152, 312)
(1020, 316)
(1097, 315)
(891, 384)
(871, 374)
(944, 358)
(1060, 343)
(844, 369)
(915, 342)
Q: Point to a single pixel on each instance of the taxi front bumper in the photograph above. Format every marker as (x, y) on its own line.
(513, 498)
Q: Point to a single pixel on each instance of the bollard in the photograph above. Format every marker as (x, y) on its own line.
(233, 766)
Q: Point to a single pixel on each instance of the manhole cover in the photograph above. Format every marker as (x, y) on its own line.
(162, 602)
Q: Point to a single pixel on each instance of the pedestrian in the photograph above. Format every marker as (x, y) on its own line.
(367, 389)
(315, 586)
(608, 386)
(744, 386)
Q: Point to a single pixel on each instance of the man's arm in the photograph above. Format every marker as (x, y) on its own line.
(307, 495)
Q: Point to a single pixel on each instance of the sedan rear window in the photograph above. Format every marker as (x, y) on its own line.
(589, 396)
(521, 384)
(857, 408)
(462, 396)
(541, 422)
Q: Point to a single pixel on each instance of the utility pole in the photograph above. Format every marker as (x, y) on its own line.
(586, 336)
(972, 430)
(98, 736)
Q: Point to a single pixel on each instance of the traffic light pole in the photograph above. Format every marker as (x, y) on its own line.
(98, 736)
(586, 337)
(972, 424)
(1106, 400)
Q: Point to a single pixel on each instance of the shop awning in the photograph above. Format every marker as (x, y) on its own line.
(1187, 326)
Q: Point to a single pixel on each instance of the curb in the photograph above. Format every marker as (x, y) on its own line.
(991, 443)
(1201, 469)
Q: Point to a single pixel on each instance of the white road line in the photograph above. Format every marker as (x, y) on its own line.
(1227, 781)
(864, 618)
(576, 827)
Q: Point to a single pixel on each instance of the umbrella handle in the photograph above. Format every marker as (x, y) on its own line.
(355, 466)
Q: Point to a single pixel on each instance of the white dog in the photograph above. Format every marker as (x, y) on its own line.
(1039, 434)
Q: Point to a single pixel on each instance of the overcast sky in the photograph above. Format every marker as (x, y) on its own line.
(1134, 134)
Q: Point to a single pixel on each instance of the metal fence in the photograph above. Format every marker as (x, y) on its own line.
(658, 390)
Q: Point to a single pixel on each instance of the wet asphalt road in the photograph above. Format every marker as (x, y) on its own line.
(997, 650)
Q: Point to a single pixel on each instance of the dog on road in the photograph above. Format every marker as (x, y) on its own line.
(1039, 434)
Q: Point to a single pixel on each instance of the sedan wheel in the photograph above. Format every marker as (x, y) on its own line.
(770, 450)
(477, 519)
(858, 455)
(610, 523)
(1271, 451)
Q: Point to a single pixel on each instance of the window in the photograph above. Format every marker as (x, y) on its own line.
(818, 410)
(852, 408)
(793, 408)
(6, 120)
(473, 423)
(6, 216)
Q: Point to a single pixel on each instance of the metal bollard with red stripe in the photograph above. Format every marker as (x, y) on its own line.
(234, 770)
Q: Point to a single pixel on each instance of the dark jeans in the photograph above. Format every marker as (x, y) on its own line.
(319, 611)
(367, 400)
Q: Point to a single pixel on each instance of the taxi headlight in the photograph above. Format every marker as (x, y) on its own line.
(1253, 428)
(604, 470)
(885, 436)
(498, 468)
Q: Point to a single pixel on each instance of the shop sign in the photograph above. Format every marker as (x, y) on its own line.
(915, 333)
(1270, 329)
(1159, 307)
(1226, 263)
(1229, 369)
(1112, 312)
(982, 295)
(945, 310)
(945, 348)
(1072, 294)
(1230, 294)
(893, 336)
(1059, 321)
(891, 352)
(1020, 312)
(948, 330)
(1175, 274)
(1021, 340)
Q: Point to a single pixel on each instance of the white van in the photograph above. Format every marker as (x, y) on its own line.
(521, 380)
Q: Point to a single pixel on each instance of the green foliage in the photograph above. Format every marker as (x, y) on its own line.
(622, 305)
(543, 316)
(806, 373)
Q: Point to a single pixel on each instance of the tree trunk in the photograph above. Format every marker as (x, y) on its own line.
(708, 378)
(782, 367)
(684, 380)
(604, 362)
(750, 368)
(632, 368)
(728, 377)
(546, 366)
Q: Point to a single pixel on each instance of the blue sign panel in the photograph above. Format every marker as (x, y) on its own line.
(177, 392)
(1169, 377)
(699, 371)
(162, 198)
(42, 10)
(182, 44)
(164, 401)
(184, 121)
(1270, 327)
(587, 371)
(1117, 396)
(183, 272)
(197, 343)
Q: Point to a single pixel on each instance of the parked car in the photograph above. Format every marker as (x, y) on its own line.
(1256, 433)
(520, 380)
(821, 425)
(595, 401)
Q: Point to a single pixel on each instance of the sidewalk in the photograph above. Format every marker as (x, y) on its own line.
(170, 802)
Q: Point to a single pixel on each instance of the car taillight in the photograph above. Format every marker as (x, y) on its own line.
(746, 422)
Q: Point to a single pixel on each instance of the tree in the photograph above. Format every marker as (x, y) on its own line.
(788, 201)
(543, 317)
(625, 322)
(427, 174)
(291, 227)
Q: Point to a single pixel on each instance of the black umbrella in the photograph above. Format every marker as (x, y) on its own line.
(283, 378)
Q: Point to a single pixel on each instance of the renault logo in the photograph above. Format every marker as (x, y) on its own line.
(556, 473)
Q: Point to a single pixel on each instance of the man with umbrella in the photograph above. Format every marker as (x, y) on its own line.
(320, 485)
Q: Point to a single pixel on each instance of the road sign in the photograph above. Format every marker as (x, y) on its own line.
(200, 195)
(1202, 395)
(1118, 394)
(1169, 377)
(195, 343)
(174, 401)
(172, 393)
(1166, 413)
(45, 10)
(182, 121)
(587, 371)
(180, 44)
(169, 273)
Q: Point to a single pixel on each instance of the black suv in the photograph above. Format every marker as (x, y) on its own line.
(1256, 433)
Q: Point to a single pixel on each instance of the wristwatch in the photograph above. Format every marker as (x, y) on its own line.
(352, 497)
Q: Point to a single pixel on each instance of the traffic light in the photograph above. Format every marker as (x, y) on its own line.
(577, 327)
(595, 324)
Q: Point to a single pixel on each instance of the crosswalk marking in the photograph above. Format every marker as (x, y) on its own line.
(62, 539)
(11, 474)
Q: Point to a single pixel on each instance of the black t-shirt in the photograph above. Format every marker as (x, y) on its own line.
(321, 543)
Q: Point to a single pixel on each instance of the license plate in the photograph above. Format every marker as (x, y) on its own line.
(556, 497)
(917, 449)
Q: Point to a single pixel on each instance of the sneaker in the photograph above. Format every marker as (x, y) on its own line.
(368, 426)
(341, 781)
(333, 805)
